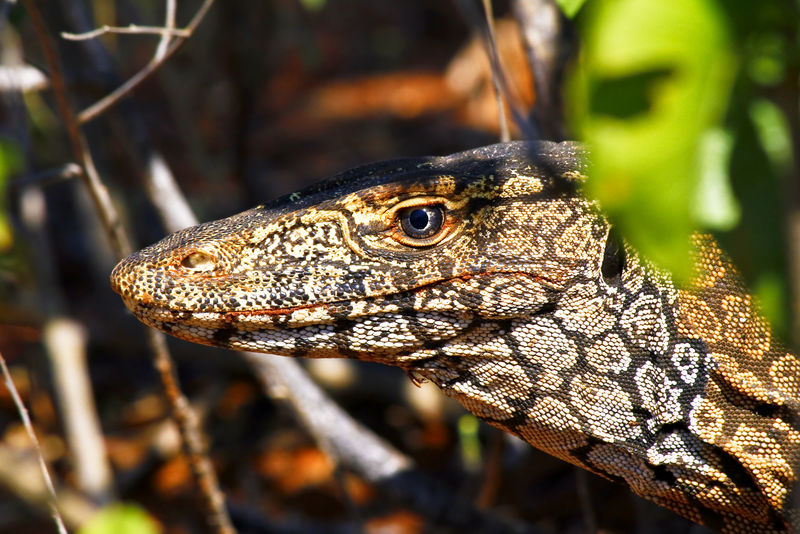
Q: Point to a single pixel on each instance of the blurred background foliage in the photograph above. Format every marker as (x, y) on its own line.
(9, 161)
(690, 108)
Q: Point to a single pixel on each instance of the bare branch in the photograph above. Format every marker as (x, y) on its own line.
(498, 75)
(162, 191)
(112, 98)
(23, 78)
(169, 23)
(26, 420)
(65, 342)
(549, 41)
(132, 29)
(342, 438)
(68, 171)
(505, 135)
(19, 473)
(99, 193)
(352, 445)
(194, 445)
(187, 422)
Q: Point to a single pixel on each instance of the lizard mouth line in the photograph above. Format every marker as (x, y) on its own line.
(304, 314)
(278, 316)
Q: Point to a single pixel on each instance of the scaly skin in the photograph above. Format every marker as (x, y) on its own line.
(523, 307)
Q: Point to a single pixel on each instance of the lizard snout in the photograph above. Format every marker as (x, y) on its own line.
(115, 279)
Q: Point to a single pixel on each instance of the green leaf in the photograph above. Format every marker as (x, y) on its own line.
(770, 290)
(9, 162)
(768, 57)
(655, 77)
(121, 519)
(468, 427)
(570, 7)
(313, 5)
(774, 133)
(715, 206)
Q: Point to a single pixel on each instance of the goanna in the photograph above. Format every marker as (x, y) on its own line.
(487, 273)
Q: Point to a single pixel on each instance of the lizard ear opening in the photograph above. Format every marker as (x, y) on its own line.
(613, 259)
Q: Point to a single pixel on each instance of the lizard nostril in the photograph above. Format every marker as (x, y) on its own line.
(199, 262)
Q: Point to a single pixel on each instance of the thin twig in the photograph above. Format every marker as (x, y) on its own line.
(65, 346)
(187, 423)
(128, 124)
(549, 40)
(20, 476)
(26, 421)
(131, 29)
(100, 196)
(195, 448)
(112, 98)
(505, 135)
(343, 439)
(498, 75)
(65, 172)
(169, 23)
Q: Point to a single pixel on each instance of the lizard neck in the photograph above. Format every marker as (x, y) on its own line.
(643, 383)
(752, 399)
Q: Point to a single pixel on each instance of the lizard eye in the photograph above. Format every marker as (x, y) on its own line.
(422, 222)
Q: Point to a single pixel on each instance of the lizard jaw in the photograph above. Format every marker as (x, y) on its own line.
(348, 329)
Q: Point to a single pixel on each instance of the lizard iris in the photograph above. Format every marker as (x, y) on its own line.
(422, 222)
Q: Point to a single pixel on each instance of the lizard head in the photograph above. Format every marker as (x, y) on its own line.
(385, 262)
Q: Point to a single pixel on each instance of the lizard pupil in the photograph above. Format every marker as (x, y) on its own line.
(419, 219)
(421, 222)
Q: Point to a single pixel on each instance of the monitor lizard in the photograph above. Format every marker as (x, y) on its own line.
(489, 274)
